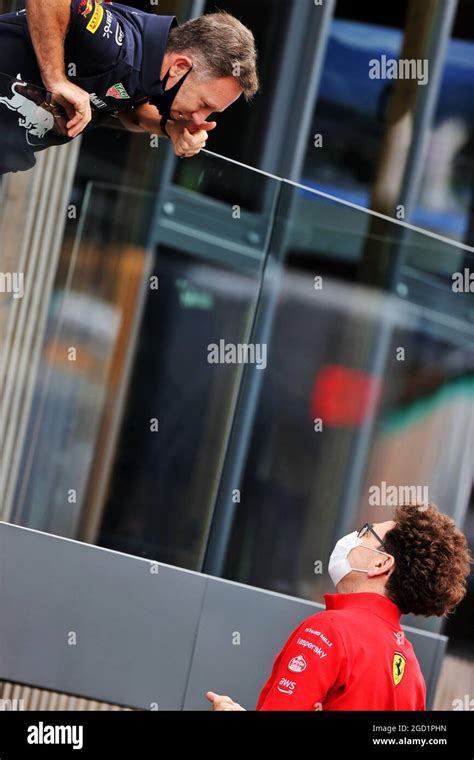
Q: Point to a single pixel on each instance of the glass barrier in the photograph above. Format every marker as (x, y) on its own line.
(368, 398)
(227, 386)
(130, 406)
(87, 330)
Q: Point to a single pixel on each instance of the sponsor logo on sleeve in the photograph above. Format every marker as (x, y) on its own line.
(400, 637)
(96, 20)
(119, 35)
(297, 664)
(314, 648)
(321, 636)
(286, 686)
(109, 20)
(85, 7)
(398, 667)
(117, 91)
(97, 101)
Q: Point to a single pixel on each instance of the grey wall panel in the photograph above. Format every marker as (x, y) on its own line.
(135, 630)
(429, 648)
(263, 620)
(142, 637)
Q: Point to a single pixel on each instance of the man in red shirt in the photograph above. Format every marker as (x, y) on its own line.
(355, 655)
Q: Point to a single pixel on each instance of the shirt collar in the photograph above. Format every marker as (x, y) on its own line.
(376, 603)
(156, 31)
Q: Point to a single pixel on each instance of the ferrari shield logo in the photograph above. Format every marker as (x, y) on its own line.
(398, 667)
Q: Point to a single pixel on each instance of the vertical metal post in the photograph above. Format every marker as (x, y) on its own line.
(296, 88)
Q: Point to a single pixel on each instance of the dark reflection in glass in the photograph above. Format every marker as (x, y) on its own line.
(165, 474)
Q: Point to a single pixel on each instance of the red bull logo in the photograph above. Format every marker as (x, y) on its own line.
(35, 120)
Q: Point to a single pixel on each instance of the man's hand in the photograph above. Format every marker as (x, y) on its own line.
(76, 103)
(223, 704)
(48, 23)
(187, 138)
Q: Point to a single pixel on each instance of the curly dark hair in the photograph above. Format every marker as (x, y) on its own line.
(432, 561)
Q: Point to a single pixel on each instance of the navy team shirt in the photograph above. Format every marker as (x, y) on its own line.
(112, 51)
(116, 53)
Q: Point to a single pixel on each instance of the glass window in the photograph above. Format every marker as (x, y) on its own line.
(364, 386)
(351, 112)
(446, 196)
(351, 107)
(159, 433)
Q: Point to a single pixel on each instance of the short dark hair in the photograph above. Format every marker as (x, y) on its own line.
(432, 561)
(223, 45)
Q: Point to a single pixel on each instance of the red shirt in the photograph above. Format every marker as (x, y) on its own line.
(352, 656)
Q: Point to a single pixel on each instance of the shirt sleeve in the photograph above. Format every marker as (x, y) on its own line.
(95, 37)
(306, 669)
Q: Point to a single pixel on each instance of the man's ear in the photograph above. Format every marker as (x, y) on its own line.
(385, 564)
(180, 65)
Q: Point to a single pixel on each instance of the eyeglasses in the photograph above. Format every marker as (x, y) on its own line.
(369, 528)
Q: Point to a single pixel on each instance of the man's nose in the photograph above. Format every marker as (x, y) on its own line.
(198, 117)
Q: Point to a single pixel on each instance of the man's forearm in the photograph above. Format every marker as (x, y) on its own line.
(147, 118)
(129, 120)
(48, 21)
(142, 118)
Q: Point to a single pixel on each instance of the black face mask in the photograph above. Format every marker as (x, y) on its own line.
(164, 102)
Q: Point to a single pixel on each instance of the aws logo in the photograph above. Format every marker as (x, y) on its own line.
(398, 667)
(286, 686)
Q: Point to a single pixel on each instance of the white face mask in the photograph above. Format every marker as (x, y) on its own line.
(339, 565)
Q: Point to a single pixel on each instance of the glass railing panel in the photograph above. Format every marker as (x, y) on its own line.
(369, 386)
